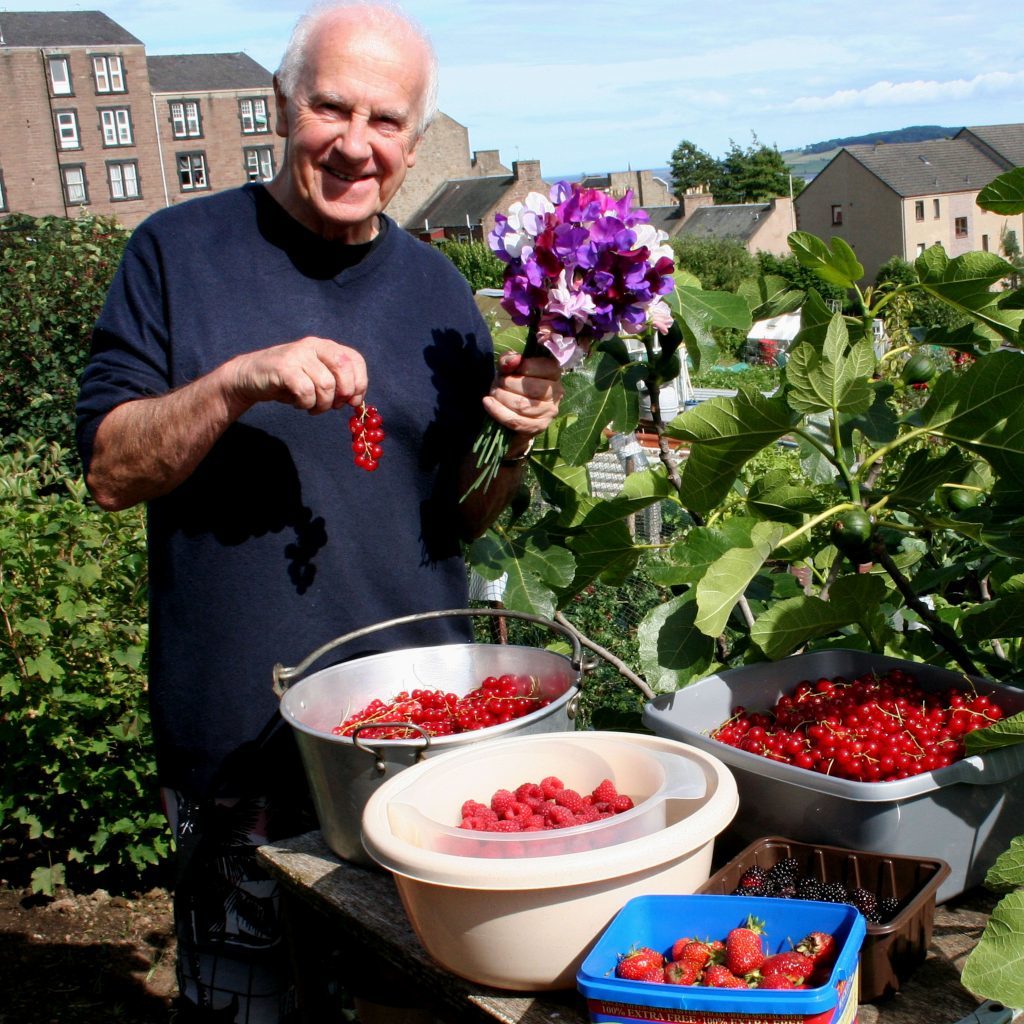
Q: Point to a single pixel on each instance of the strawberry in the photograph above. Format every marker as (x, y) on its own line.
(678, 946)
(778, 981)
(719, 976)
(791, 962)
(681, 972)
(641, 964)
(698, 953)
(743, 949)
(819, 946)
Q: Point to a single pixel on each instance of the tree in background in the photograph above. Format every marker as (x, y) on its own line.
(691, 168)
(756, 174)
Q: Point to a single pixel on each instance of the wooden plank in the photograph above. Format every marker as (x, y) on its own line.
(365, 902)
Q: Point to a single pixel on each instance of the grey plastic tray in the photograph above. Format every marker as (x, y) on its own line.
(965, 814)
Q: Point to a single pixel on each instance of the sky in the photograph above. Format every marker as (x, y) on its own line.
(599, 86)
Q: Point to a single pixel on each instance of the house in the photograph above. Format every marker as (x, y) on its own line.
(89, 121)
(647, 188)
(761, 227)
(443, 155)
(76, 124)
(463, 209)
(213, 114)
(899, 199)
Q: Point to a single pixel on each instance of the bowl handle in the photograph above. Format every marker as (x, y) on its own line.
(379, 763)
(284, 677)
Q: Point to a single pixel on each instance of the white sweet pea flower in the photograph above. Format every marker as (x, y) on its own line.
(574, 305)
(659, 316)
(654, 239)
(564, 348)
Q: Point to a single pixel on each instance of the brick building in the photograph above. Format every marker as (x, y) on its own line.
(89, 121)
(214, 119)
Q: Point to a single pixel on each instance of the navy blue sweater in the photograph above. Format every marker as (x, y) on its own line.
(278, 543)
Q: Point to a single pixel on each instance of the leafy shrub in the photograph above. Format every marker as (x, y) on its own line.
(77, 793)
(719, 264)
(55, 277)
(475, 261)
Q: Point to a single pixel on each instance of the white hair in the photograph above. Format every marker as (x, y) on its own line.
(378, 13)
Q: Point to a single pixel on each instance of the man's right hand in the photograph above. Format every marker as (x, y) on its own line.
(313, 374)
(146, 447)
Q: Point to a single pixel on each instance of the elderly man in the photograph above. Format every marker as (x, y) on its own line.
(233, 318)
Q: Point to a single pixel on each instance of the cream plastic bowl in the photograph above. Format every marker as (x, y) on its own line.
(515, 918)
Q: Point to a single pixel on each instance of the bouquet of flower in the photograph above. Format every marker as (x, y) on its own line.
(581, 266)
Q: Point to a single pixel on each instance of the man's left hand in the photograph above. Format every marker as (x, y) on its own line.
(526, 393)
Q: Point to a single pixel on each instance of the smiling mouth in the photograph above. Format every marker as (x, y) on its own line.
(342, 177)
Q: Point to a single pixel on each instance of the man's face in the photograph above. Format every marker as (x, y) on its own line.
(351, 127)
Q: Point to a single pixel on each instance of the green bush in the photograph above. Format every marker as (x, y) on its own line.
(720, 264)
(475, 261)
(55, 277)
(77, 790)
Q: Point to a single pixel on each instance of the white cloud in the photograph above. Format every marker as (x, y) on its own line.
(901, 94)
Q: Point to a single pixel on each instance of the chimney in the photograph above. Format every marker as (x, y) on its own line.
(526, 170)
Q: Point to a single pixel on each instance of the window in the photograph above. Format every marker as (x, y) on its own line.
(3, 193)
(920, 248)
(123, 177)
(67, 129)
(935, 208)
(117, 127)
(259, 163)
(73, 179)
(192, 171)
(919, 210)
(984, 243)
(837, 216)
(60, 76)
(109, 74)
(960, 227)
(185, 122)
(253, 115)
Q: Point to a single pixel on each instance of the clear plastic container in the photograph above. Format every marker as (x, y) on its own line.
(653, 779)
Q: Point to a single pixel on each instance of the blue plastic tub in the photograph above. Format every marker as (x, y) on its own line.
(657, 921)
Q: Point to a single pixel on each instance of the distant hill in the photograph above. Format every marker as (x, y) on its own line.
(809, 160)
(917, 133)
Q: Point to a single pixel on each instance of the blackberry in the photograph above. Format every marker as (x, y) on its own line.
(785, 872)
(865, 901)
(888, 907)
(834, 892)
(809, 888)
(755, 878)
(786, 891)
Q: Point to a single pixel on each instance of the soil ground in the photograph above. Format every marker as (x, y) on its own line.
(86, 959)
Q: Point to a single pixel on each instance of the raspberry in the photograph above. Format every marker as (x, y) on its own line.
(551, 786)
(620, 804)
(530, 793)
(605, 792)
(571, 799)
(501, 802)
(561, 817)
(471, 809)
(508, 825)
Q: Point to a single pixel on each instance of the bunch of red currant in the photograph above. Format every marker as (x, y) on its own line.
(498, 699)
(869, 729)
(367, 429)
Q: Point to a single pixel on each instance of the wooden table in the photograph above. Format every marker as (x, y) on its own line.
(321, 887)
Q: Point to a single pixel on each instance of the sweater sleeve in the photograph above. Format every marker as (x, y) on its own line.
(130, 356)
